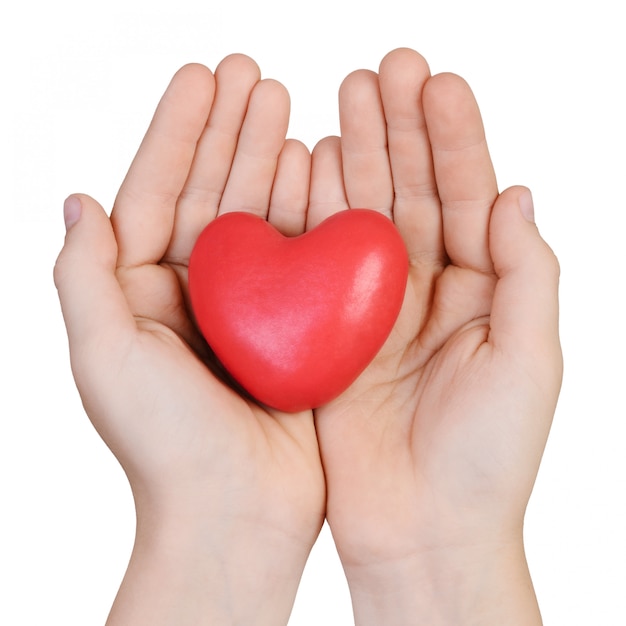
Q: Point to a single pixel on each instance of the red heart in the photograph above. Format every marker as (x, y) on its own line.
(295, 320)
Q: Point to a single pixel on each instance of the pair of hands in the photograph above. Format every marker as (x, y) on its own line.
(424, 466)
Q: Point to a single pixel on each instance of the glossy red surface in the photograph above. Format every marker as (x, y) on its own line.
(296, 320)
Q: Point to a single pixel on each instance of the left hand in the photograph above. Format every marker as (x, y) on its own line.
(230, 496)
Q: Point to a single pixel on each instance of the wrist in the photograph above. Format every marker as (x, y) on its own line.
(191, 569)
(485, 583)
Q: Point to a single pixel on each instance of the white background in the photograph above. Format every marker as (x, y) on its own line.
(78, 85)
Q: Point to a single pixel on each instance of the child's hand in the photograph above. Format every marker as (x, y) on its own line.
(229, 496)
(431, 455)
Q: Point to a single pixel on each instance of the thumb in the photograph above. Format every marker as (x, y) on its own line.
(524, 318)
(94, 308)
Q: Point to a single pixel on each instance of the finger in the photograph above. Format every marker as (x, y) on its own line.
(235, 78)
(290, 194)
(416, 208)
(463, 170)
(327, 194)
(95, 311)
(366, 168)
(261, 140)
(143, 214)
(524, 316)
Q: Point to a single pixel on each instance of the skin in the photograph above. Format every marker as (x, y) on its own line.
(431, 455)
(227, 493)
(424, 466)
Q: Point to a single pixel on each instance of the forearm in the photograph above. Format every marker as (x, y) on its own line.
(475, 586)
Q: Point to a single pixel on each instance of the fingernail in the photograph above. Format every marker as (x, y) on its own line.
(527, 206)
(71, 211)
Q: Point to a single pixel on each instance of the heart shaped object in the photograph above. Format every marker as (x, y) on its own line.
(295, 320)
